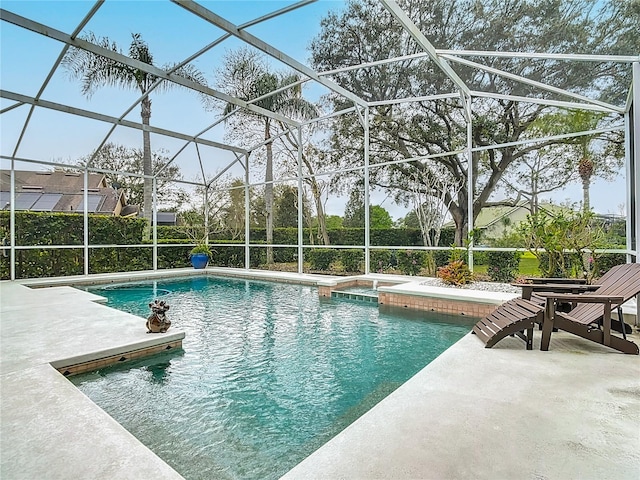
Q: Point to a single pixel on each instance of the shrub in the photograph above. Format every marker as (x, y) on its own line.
(285, 254)
(605, 261)
(395, 236)
(201, 248)
(320, 258)
(174, 256)
(351, 260)
(172, 232)
(480, 258)
(457, 255)
(257, 257)
(503, 266)
(558, 233)
(455, 273)
(231, 257)
(379, 260)
(441, 257)
(410, 262)
(557, 265)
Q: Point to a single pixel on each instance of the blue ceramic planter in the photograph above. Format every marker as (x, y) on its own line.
(199, 260)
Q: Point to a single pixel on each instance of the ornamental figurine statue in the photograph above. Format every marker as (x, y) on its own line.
(158, 321)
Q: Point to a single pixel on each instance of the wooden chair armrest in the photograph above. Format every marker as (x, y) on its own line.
(529, 289)
(556, 287)
(538, 281)
(581, 298)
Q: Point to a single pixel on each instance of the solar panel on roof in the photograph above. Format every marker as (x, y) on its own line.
(24, 201)
(93, 202)
(46, 202)
(5, 200)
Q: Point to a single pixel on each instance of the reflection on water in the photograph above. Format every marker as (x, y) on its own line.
(159, 372)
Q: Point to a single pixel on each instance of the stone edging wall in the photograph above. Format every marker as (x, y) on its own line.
(434, 304)
(414, 302)
(120, 358)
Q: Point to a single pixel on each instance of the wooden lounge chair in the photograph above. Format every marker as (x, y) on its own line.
(518, 317)
(591, 318)
(515, 317)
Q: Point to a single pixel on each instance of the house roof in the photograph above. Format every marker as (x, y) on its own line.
(489, 216)
(59, 191)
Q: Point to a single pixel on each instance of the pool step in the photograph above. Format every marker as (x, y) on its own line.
(362, 297)
(107, 358)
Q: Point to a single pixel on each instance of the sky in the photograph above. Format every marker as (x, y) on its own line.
(172, 35)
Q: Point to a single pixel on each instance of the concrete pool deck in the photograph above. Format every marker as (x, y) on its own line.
(49, 429)
(572, 412)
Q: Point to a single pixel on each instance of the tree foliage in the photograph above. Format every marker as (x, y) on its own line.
(286, 207)
(379, 217)
(354, 210)
(354, 213)
(334, 222)
(566, 236)
(246, 75)
(120, 160)
(96, 71)
(365, 32)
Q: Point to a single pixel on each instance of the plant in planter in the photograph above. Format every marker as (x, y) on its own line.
(200, 255)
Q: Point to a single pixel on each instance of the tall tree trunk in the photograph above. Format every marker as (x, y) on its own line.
(317, 198)
(460, 233)
(322, 220)
(147, 168)
(268, 192)
(585, 169)
(585, 195)
(459, 214)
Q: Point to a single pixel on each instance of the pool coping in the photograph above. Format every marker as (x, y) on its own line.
(60, 450)
(49, 429)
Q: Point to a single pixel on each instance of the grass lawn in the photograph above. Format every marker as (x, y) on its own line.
(528, 266)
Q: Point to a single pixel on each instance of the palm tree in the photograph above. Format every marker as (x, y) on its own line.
(582, 121)
(245, 76)
(97, 71)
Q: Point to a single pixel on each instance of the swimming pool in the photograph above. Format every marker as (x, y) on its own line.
(268, 374)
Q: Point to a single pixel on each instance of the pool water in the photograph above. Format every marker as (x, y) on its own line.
(268, 372)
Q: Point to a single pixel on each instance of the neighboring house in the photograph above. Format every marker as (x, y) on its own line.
(496, 221)
(60, 191)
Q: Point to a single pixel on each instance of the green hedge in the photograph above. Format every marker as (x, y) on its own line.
(410, 262)
(45, 228)
(172, 232)
(44, 263)
(351, 236)
(352, 260)
(320, 258)
(605, 261)
(379, 260)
